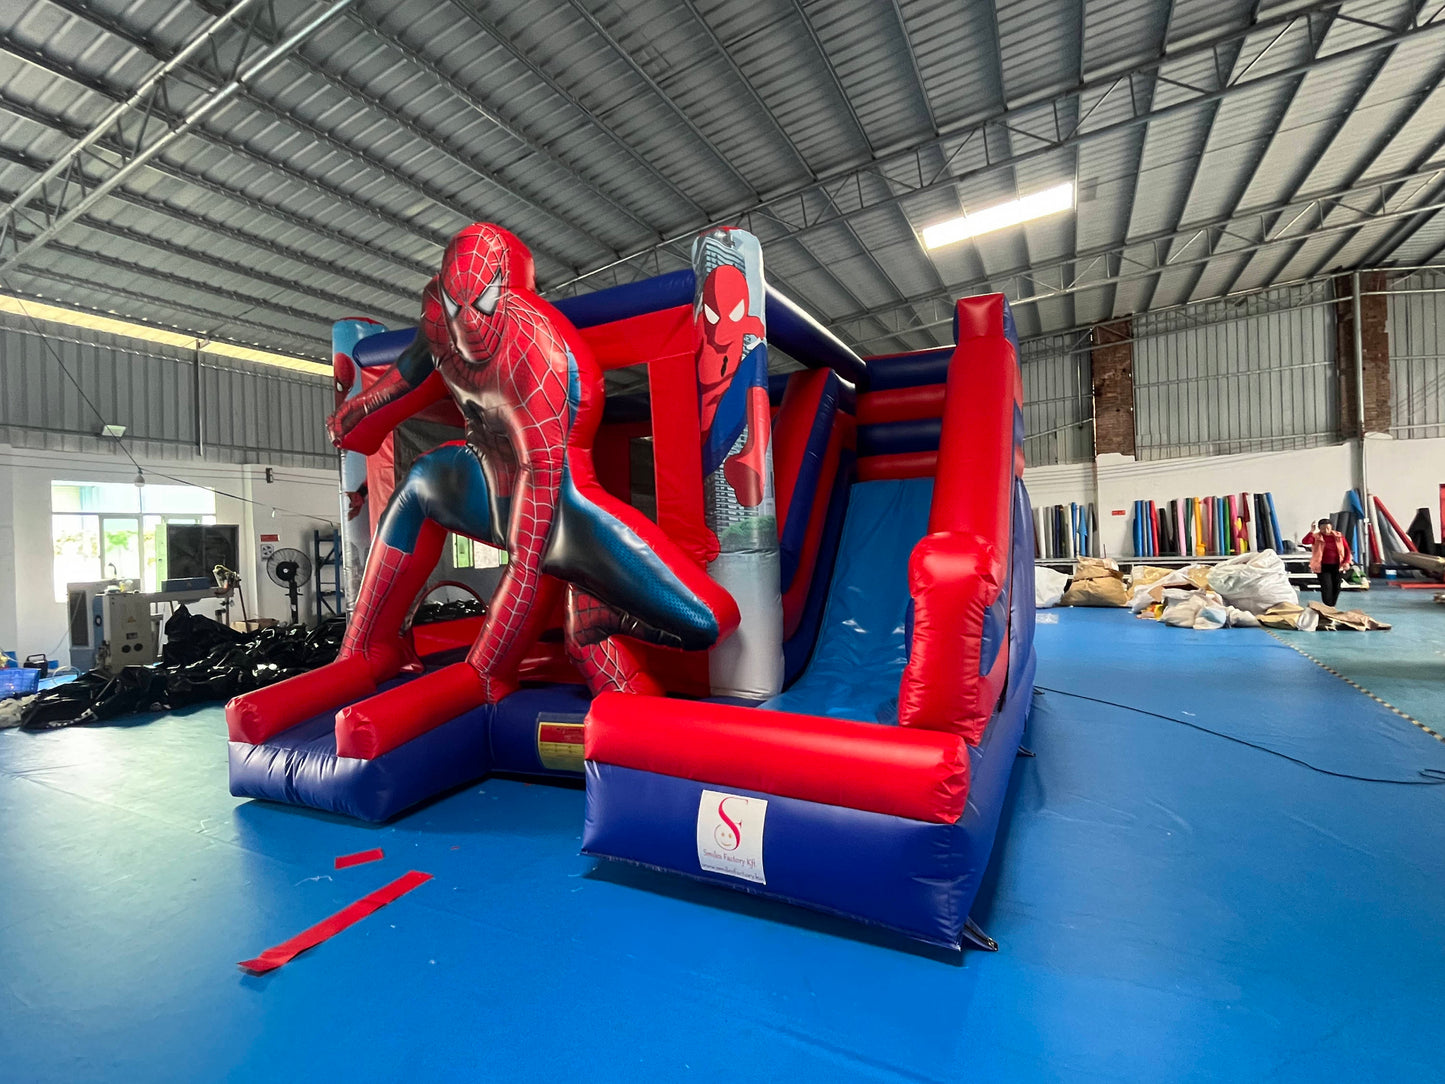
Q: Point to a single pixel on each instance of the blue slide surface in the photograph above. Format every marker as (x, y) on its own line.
(863, 645)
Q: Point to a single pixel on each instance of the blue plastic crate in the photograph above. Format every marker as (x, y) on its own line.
(21, 681)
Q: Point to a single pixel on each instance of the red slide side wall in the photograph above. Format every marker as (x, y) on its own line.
(901, 404)
(917, 403)
(792, 427)
(795, 598)
(877, 468)
(960, 568)
(792, 422)
(881, 769)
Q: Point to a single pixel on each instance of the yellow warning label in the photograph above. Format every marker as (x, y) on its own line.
(559, 745)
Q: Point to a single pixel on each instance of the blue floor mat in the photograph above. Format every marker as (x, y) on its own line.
(1242, 682)
(1405, 666)
(1171, 906)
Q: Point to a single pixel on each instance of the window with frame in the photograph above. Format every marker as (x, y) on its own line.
(109, 530)
(469, 554)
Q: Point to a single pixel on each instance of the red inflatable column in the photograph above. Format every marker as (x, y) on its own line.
(958, 573)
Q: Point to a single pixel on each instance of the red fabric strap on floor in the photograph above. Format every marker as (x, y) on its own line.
(286, 951)
(346, 861)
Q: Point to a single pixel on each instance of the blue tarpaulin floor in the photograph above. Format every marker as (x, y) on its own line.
(1405, 666)
(1171, 904)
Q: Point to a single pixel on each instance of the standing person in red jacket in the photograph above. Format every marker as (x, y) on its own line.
(1329, 557)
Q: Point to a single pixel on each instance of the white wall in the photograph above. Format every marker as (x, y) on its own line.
(31, 621)
(1306, 484)
(1406, 475)
(8, 638)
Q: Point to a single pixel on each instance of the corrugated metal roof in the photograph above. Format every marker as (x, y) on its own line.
(610, 130)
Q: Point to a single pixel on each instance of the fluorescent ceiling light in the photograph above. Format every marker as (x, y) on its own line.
(39, 310)
(1050, 201)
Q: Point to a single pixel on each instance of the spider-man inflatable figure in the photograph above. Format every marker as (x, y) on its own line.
(531, 396)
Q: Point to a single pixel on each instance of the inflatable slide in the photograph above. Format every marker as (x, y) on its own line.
(842, 741)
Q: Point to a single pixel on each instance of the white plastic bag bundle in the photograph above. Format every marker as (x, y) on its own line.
(1253, 582)
(1182, 608)
(1152, 590)
(1049, 586)
(1242, 619)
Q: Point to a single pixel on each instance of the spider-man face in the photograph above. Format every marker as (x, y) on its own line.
(720, 321)
(344, 373)
(483, 264)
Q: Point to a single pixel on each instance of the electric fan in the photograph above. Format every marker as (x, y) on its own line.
(289, 568)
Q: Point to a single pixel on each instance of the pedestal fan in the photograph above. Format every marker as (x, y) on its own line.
(289, 568)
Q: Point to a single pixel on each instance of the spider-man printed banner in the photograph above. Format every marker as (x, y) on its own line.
(356, 515)
(737, 461)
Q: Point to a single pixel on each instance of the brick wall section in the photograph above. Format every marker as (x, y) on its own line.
(1375, 338)
(1112, 359)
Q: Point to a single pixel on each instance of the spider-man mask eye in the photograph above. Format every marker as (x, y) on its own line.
(486, 302)
(449, 303)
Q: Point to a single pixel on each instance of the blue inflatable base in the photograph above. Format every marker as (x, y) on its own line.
(300, 766)
(914, 877)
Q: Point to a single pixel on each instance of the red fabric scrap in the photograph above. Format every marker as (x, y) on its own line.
(283, 953)
(360, 858)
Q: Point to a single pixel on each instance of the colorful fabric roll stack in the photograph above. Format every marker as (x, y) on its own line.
(1063, 532)
(1206, 526)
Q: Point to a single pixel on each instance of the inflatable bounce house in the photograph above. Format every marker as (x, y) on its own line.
(783, 627)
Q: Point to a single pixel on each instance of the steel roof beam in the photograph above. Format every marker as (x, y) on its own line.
(142, 96)
(864, 250)
(394, 41)
(904, 174)
(1075, 287)
(216, 319)
(1006, 134)
(147, 302)
(251, 97)
(58, 124)
(1364, 88)
(251, 301)
(292, 285)
(765, 112)
(1428, 204)
(166, 211)
(1393, 238)
(489, 28)
(370, 101)
(1146, 89)
(666, 99)
(717, 153)
(812, 35)
(914, 66)
(1231, 77)
(1148, 255)
(1396, 238)
(247, 67)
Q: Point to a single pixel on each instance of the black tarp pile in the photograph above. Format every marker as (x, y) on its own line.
(204, 661)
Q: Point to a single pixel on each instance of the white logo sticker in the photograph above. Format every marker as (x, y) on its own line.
(730, 835)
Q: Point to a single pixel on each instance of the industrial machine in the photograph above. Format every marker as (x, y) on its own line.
(113, 624)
